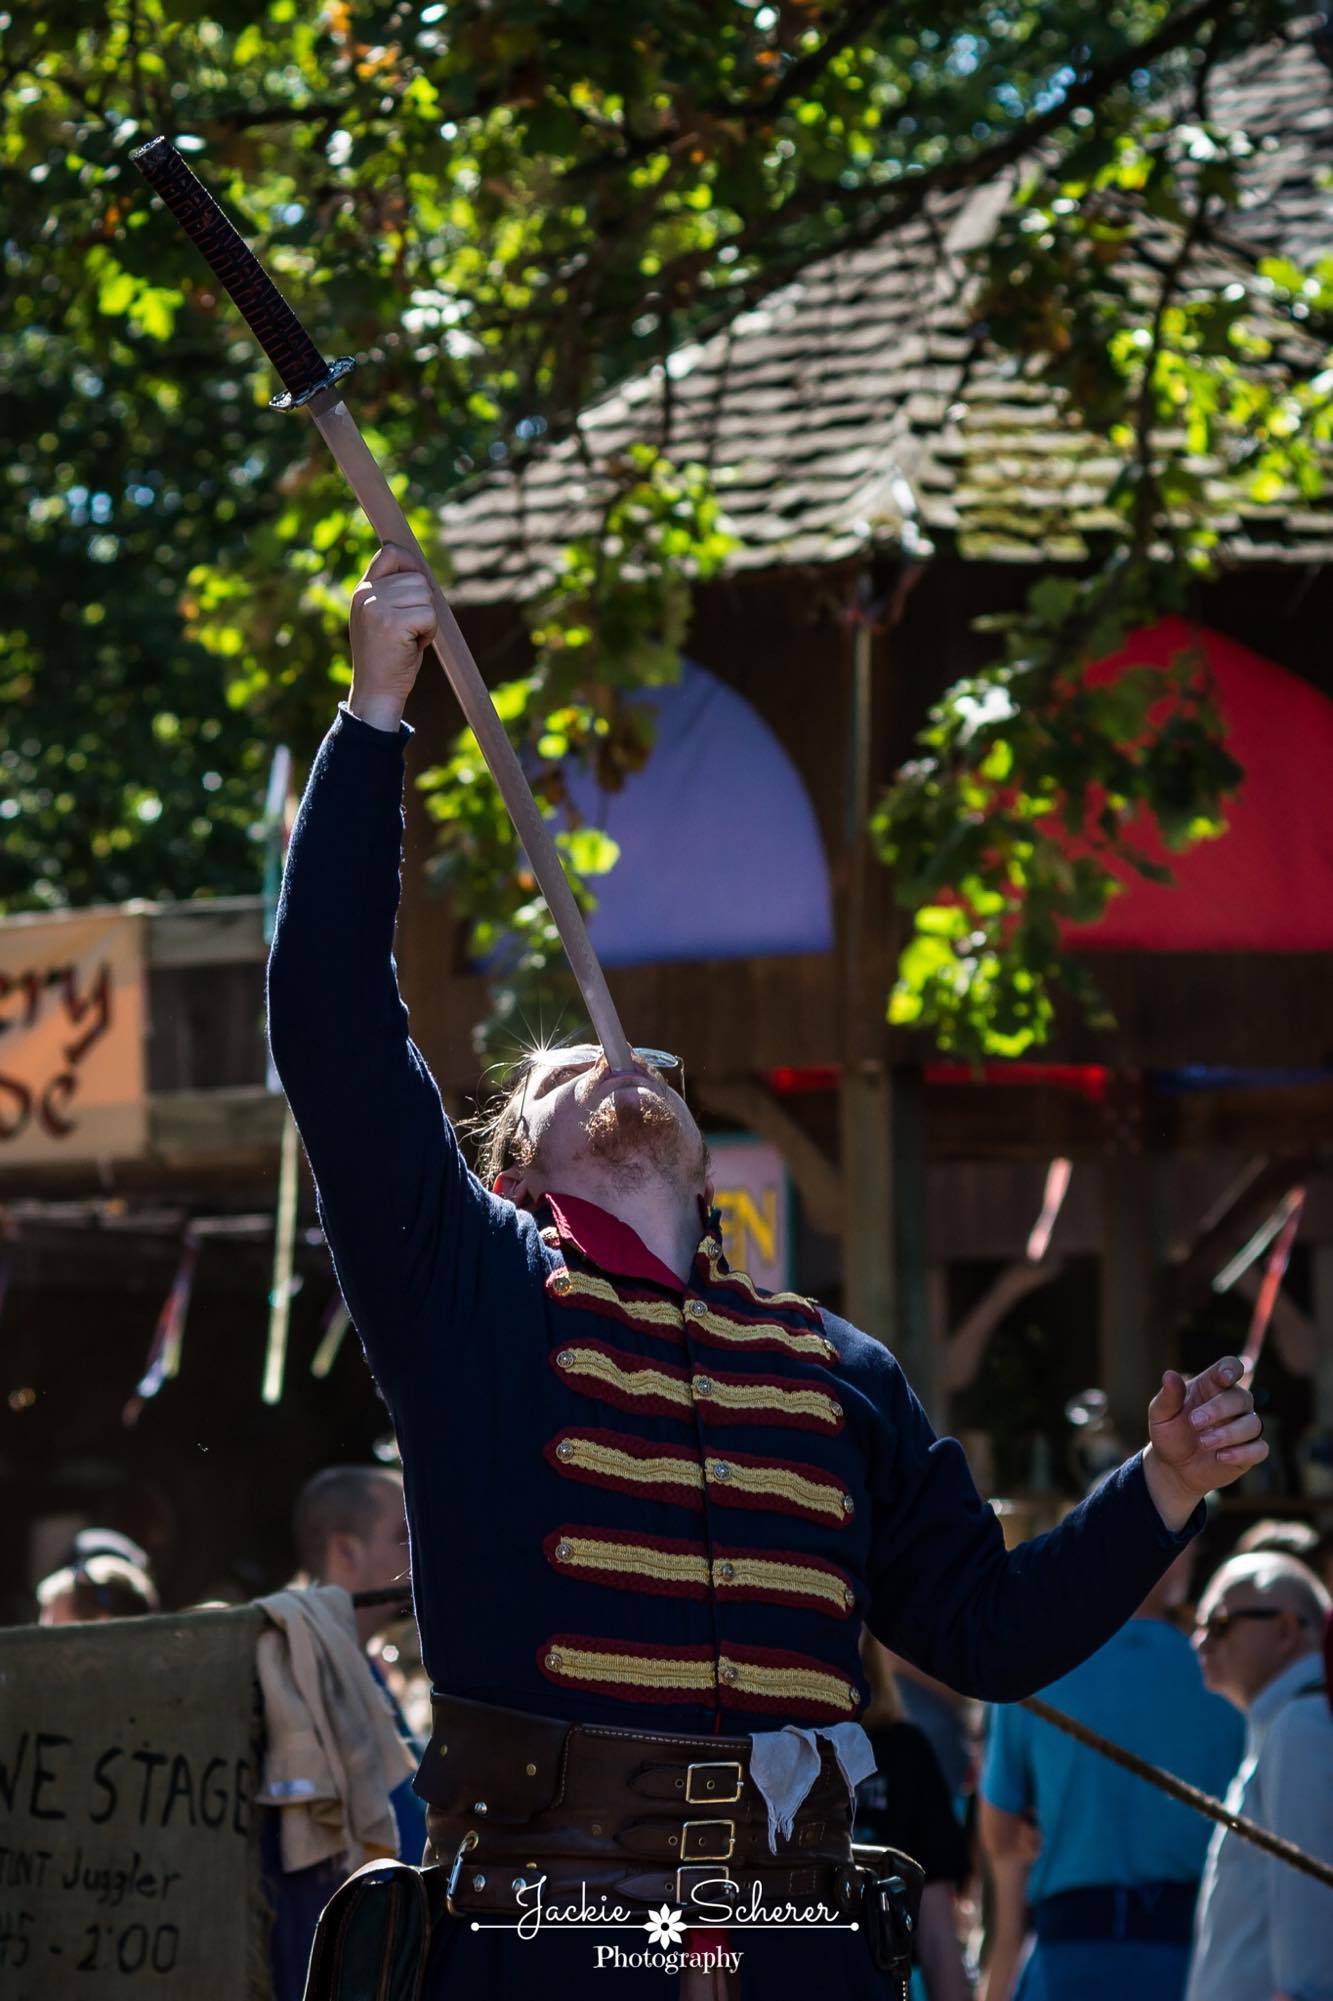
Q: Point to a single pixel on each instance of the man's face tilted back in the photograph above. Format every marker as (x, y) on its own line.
(584, 1129)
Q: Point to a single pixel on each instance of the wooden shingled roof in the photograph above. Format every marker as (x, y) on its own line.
(861, 405)
(1281, 95)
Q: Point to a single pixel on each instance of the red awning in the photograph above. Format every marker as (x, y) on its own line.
(1267, 884)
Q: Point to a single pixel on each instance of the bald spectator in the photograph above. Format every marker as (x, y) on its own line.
(350, 1529)
(1263, 1928)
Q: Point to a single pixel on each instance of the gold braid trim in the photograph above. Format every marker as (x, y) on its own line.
(762, 1573)
(653, 1313)
(648, 1382)
(667, 1566)
(767, 1331)
(789, 1684)
(644, 1671)
(794, 1487)
(594, 1457)
(746, 1284)
(759, 1397)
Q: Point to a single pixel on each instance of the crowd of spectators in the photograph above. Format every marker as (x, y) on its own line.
(1052, 1873)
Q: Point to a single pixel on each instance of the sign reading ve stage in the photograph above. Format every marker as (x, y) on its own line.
(72, 1083)
(129, 1858)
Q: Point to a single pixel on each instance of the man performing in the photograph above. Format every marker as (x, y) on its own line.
(649, 1505)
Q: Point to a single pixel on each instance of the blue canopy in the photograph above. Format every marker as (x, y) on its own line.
(720, 854)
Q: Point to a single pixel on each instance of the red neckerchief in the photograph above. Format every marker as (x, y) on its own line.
(607, 1242)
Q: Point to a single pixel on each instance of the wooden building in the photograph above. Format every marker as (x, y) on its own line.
(889, 475)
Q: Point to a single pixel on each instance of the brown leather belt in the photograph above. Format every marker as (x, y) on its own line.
(619, 1814)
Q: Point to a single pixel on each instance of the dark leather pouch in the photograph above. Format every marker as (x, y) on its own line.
(373, 1935)
(512, 1761)
(889, 1910)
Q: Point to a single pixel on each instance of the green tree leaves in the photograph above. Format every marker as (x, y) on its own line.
(504, 210)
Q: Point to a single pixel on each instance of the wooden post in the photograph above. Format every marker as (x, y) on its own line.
(1131, 1348)
(882, 1143)
(1321, 1418)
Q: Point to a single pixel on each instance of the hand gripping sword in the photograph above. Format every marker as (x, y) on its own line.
(310, 383)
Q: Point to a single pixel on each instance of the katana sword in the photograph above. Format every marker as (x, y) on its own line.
(310, 383)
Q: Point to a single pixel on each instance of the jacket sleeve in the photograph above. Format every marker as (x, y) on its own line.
(988, 1621)
(405, 1219)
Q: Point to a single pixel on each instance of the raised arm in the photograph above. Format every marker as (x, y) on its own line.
(403, 1217)
(1000, 1623)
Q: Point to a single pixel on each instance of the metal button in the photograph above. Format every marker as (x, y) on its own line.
(727, 1672)
(553, 1660)
(596, 1827)
(852, 1696)
(696, 1307)
(848, 1595)
(561, 1281)
(550, 1235)
(727, 1570)
(479, 1881)
(711, 1247)
(566, 1358)
(848, 1505)
(531, 1771)
(480, 1806)
(565, 1449)
(835, 1407)
(720, 1470)
(519, 1883)
(703, 1386)
(564, 1550)
(444, 1750)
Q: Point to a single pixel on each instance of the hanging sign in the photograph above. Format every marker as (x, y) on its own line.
(72, 1023)
(753, 1192)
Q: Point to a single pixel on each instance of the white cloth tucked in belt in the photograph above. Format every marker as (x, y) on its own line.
(784, 1764)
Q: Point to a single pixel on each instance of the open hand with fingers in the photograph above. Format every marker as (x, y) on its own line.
(1203, 1434)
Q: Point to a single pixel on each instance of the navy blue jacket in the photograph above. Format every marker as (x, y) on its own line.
(632, 1501)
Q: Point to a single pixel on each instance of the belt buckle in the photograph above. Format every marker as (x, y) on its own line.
(710, 1796)
(723, 1854)
(701, 1872)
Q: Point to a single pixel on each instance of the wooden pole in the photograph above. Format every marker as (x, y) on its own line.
(359, 467)
(881, 1123)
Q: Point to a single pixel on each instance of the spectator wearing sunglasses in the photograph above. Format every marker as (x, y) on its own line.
(1262, 1927)
(644, 1496)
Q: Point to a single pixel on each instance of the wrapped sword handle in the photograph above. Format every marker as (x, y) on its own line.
(300, 365)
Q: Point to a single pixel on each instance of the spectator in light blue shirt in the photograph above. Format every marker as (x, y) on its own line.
(1114, 1867)
(1265, 1930)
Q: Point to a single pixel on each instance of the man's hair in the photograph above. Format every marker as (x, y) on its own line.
(1287, 1538)
(102, 1587)
(341, 1500)
(1284, 1579)
(497, 1124)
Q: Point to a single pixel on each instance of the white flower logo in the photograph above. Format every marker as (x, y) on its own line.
(665, 1927)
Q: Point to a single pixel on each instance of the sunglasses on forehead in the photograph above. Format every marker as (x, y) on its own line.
(582, 1056)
